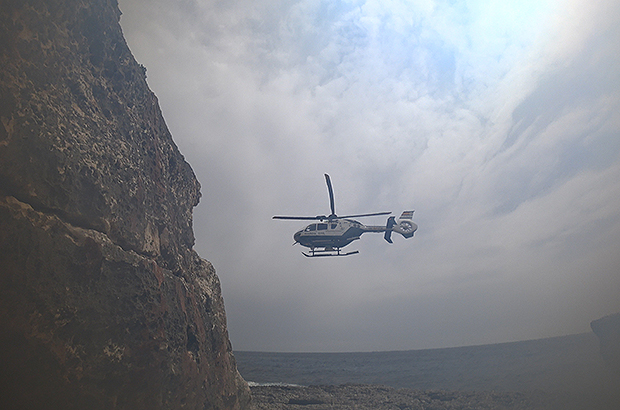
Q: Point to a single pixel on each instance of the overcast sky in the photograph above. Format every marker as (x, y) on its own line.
(497, 121)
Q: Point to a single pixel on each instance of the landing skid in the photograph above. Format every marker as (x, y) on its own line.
(324, 252)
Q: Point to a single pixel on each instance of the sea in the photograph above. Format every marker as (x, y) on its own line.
(560, 364)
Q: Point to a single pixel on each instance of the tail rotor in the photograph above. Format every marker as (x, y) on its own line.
(405, 226)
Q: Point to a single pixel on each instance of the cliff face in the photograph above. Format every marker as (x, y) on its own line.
(103, 302)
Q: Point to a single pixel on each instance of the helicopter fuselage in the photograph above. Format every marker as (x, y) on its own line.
(333, 234)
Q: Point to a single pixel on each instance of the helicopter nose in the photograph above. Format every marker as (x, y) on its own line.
(297, 236)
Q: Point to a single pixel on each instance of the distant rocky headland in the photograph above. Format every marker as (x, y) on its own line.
(103, 302)
(608, 331)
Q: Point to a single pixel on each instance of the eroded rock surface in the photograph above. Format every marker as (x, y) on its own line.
(103, 302)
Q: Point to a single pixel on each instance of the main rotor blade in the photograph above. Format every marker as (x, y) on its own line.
(361, 215)
(301, 218)
(331, 195)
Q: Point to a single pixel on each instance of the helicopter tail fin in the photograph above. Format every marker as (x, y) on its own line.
(405, 226)
(388, 229)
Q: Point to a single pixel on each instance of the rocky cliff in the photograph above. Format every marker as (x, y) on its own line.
(103, 302)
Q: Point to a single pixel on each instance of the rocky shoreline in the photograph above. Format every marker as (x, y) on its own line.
(362, 397)
(377, 397)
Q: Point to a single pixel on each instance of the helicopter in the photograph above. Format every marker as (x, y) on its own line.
(331, 233)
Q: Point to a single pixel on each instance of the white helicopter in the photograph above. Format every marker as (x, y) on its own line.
(333, 232)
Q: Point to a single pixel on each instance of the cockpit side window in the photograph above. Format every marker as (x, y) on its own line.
(311, 228)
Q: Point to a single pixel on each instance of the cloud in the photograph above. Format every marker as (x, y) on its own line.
(497, 122)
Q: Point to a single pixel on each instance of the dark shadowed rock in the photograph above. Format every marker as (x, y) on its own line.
(608, 331)
(103, 302)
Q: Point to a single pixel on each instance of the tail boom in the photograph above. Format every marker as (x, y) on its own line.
(404, 226)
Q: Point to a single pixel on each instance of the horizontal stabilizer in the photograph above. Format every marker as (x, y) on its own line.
(406, 215)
